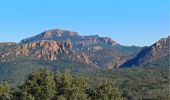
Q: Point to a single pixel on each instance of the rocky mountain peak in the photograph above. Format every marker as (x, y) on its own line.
(51, 35)
(162, 43)
(58, 33)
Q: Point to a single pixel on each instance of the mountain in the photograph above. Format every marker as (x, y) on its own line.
(103, 51)
(61, 35)
(96, 51)
(154, 55)
(93, 57)
(62, 49)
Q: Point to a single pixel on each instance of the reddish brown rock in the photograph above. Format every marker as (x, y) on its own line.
(84, 58)
(108, 41)
(47, 50)
(58, 33)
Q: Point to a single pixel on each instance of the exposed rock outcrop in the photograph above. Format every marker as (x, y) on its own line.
(157, 51)
(50, 35)
(87, 42)
(58, 33)
(108, 41)
(96, 41)
(84, 58)
(47, 50)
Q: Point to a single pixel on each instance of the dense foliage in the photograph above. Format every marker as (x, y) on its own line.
(43, 85)
(70, 88)
(39, 85)
(135, 83)
(5, 92)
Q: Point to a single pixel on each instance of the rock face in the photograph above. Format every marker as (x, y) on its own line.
(108, 41)
(47, 50)
(58, 33)
(84, 58)
(44, 50)
(157, 51)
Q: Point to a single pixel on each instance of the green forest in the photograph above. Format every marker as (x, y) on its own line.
(97, 84)
(44, 85)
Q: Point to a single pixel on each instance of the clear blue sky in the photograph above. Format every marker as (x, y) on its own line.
(129, 22)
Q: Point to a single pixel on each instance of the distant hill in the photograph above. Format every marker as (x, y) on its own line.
(155, 55)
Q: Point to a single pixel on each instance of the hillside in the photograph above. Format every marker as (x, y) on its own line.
(154, 55)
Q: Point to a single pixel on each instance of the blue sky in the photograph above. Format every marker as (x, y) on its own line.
(129, 22)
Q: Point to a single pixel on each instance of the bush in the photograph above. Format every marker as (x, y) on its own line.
(5, 92)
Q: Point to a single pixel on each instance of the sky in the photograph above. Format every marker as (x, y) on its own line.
(129, 22)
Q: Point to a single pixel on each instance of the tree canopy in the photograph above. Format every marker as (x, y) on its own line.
(44, 85)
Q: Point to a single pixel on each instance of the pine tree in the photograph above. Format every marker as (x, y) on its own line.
(39, 85)
(69, 87)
